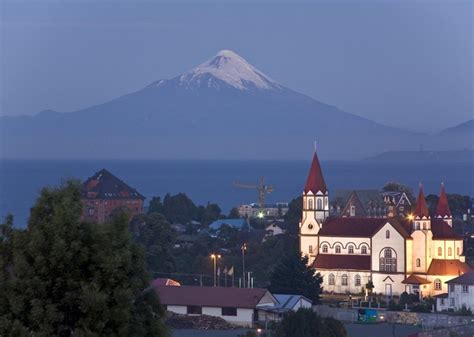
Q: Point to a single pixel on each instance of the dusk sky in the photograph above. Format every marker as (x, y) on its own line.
(401, 63)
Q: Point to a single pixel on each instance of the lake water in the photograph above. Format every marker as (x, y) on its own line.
(203, 181)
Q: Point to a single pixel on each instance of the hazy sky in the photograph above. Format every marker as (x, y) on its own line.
(402, 63)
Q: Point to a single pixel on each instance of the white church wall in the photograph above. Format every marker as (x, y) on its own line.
(339, 286)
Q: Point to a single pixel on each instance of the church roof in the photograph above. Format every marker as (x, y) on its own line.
(421, 210)
(443, 207)
(359, 227)
(338, 261)
(447, 267)
(441, 230)
(315, 181)
(104, 185)
(414, 279)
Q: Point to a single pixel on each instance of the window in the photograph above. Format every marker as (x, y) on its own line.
(451, 288)
(320, 204)
(310, 249)
(338, 249)
(388, 260)
(465, 288)
(418, 263)
(310, 204)
(351, 249)
(344, 280)
(357, 280)
(424, 225)
(229, 311)
(417, 225)
(332, 280)
(458, 251)
(90, 211)
(452, 302)
(194, 310)
(402, 208)
(325, 248)
(440, 251)
(450, 251)
(387, 234)
(442, 301)
(437, 284)
(353, 210)
(363, 250)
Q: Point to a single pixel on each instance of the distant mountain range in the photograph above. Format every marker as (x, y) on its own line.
(462, 156)
(223, 108)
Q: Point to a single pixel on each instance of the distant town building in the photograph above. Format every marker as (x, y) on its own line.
(240, 224)
(103, 193)
(270, 210)
(460, 293)
(417, 254)
(370, 203)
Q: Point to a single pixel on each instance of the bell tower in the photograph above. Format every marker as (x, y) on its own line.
(315, 210)
(442, 209)
(422, 253)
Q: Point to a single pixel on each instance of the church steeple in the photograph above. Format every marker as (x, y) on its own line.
(442, 209)
(315, 182)
(422, 219)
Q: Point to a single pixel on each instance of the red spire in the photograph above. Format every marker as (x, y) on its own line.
(315, 181)
(421, 209)
(443, 207)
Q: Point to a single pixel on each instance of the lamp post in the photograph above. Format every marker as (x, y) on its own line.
(214, 258)
(243, 248)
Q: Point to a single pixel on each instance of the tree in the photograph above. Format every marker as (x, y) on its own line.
(306, 323)
(208, 214)
(234, 213)
(154, 233)
(292, 275)
(293, 216)
(155, 206)
(70, 277)
(179, 208)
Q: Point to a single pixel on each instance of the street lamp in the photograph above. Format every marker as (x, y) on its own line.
(214, 258)
(243, 248)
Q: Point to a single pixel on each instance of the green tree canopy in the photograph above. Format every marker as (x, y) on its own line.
(306, 323)
(292, 275)
(293, 216)
(67, 277)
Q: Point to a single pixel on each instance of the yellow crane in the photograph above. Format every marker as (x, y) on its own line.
(261, 188)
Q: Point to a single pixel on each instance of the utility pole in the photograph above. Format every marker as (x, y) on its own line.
(243, 248)
(214, 258)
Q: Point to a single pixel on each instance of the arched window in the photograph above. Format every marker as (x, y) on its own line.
(320, 204)
(450, 251)
(440, 251)
(424, 225)
(325, 248)
(310, 249)
(351, 249)
(418, 263)
(388, 260)
(310, 204)
(363, 250)
(338, 249)
(437, 284)
(344, 280)
(332, 280)
(357, 280)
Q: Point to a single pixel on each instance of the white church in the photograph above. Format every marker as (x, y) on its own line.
(417, 254)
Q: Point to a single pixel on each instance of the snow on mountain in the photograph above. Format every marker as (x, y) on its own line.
(229, 68)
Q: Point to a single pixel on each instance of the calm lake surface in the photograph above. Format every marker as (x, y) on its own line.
(209, 180)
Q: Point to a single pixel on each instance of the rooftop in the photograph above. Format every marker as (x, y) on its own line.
(104, 185)
(448, 267)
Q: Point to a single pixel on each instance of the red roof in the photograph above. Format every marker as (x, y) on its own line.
(358, 227)
(414, 279)
(315, 181)
(338, 261)
(441, 230)
(210, 296)
(443, 207)
(164, 282)
(421, 210)
(447, 267)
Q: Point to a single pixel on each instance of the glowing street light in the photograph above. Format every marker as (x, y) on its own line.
(243, 248)
(214, 258)
(410, 217)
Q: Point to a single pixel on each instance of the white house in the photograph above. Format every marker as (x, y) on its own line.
(417, 254)
(236, 305)
(460, 293)
(285, 304)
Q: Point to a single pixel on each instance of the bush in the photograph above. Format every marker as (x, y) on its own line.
(464, 311)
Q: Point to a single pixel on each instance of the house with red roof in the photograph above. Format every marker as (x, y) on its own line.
(417, 254)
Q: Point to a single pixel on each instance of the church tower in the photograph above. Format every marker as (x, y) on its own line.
(442, 209)
(422, 235)
(315, 210)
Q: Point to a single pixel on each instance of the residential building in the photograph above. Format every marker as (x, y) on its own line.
(460, 294)
(285, 303)
(253, 210)
(240, 224)
(103, 193)
(417, 254)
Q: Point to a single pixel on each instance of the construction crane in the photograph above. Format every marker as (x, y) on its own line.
(261, 188)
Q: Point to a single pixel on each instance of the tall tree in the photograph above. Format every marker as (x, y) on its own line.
(293, 216)
(292, 275)
(74, 278)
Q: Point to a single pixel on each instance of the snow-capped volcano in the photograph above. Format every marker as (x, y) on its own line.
(231, 69)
